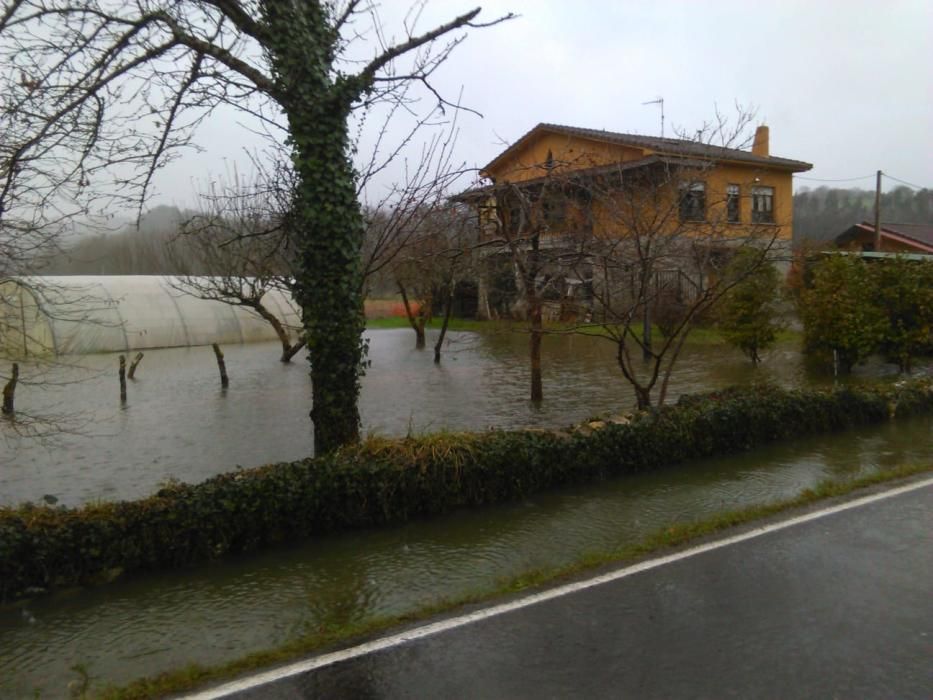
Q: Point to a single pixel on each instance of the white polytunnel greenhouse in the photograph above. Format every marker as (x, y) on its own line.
(75, 315)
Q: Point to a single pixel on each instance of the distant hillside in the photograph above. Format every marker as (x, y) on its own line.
(129, 251)
(820, 215)
(823, 213)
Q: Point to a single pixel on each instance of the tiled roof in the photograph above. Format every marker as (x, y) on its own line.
(681, 147)
(919, 234)
(582, 174)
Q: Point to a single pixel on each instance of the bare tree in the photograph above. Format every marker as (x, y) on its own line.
(108, 92)
(660, 254)
(613, 250)
(525, 229)
(237, 249)
(428, 268)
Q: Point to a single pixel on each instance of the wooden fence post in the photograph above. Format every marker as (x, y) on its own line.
(134, 364)
(122, 378)
(9, 391)
(224, 380)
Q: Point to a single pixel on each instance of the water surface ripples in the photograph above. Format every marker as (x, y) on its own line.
(225, 610)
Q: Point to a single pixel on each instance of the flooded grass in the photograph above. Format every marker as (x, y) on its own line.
(676, 535)
(178, 423)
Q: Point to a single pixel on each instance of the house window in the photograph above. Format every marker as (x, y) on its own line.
(693, 202)
(762, 205)
(515, 218)
(732, 204)
(554, 210)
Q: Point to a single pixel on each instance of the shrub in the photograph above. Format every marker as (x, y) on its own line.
(839, 312)
(904, 293)
(748, 316)
(382, 481)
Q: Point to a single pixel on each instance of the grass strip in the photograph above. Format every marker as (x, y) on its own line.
(197, 675)
(698, 336)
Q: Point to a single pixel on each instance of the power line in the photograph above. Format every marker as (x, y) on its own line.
(863, 177)
(841, 179)
(904, 182)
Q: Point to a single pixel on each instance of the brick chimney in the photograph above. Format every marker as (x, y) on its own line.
(760, 146)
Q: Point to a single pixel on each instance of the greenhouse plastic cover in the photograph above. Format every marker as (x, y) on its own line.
(74, 315)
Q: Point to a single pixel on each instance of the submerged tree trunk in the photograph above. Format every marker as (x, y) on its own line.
(9, 391)
(417, 321)
(122, 375)
(534, 346)
(448, 307)
(329, 281)
(326, 223)
(529, 281)
(221, 366)
(642, 391)
(302, 41)
(642, 398)
(134, 364)
(646, 333)
(289, 349)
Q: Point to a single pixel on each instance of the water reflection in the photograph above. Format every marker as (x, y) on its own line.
(179, 424)
(223, 611)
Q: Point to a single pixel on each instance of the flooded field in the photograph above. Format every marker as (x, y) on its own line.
(179, 424)
(223, 611)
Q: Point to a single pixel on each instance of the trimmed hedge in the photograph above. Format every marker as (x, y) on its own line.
(383, 481)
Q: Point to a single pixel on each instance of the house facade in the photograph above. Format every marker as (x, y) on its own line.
(726, 185)
(567, 189)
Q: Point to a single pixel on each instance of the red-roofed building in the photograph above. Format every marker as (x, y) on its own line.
(895, 238)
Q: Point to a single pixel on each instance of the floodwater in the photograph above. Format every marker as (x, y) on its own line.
(217, 613)
(179, 424)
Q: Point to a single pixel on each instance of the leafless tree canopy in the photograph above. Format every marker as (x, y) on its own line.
(622, 247)
(100, 94)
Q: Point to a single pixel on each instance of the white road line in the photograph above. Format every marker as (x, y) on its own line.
(394, 640)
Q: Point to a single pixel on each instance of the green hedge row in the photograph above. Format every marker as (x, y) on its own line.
(384, 481)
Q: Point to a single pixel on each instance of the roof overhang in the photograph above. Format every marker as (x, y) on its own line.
(571, 178)
(664, 147)
(856, 230)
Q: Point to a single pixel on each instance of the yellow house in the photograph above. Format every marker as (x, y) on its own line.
(576, 192)
(714, 185)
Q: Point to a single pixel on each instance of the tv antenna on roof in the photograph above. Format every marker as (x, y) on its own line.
(660, 102)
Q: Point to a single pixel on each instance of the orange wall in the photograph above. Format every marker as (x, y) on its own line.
(572, 153)
(568, 152)
(747, 177)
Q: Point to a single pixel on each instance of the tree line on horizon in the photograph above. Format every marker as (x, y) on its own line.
(820, 214)
(823, 213)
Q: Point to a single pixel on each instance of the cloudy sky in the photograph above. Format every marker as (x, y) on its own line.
(843, 84)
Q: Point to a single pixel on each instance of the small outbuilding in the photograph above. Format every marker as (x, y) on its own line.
(895, 238)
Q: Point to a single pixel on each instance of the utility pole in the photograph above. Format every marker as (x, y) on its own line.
(660, 102)
(878, 213)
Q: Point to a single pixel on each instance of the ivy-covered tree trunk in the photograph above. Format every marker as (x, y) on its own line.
(327, 221)
(330, 279)
(302, 41)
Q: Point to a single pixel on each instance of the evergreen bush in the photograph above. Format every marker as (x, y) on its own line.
(385, 481)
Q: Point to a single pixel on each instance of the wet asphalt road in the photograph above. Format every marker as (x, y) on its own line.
(839, 607)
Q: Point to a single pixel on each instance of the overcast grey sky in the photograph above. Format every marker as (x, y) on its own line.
(843, 84)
